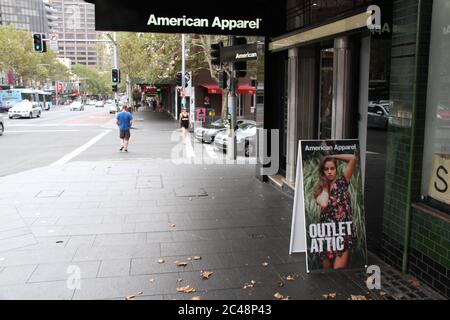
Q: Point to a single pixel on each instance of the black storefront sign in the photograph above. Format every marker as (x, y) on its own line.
(233, 17)
(243, 52)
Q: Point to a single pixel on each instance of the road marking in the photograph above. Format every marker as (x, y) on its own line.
(189, 150)
(37, 131)
(210, 150)
(81, 149)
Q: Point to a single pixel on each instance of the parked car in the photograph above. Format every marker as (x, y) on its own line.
(25, 109)
(77, 106)
(91, 103)
(99, 104)
(378, 116)
(2, 126)
(112, 107)
(208, 133)
(245, 138)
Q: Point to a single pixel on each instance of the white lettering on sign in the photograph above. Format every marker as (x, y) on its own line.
(184, 21)
(246, 55)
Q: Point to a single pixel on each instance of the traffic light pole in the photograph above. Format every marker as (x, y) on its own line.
(232, 152)
(115, 62)
(183, 71)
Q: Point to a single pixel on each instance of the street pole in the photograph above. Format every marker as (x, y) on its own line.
(183, 71)
(232, 108)
(115, 63)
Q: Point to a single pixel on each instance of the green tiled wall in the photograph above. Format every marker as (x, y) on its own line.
(409, 70)
(431, 237)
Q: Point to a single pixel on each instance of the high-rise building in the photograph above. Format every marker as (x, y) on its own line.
(28, 15)
(75, 27)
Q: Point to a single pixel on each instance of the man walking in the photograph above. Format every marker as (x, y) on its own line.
(124, 121)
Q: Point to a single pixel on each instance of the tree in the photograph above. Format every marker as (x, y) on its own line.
(92, 82)
(17, 55)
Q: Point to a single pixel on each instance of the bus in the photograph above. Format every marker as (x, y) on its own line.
(9, 98)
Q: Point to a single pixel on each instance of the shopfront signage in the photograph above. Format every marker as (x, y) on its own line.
(239, 53)
(328, 217)
(250, 18)
(439, 188)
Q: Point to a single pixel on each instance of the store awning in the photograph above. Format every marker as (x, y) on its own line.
(245, 89)
(212, 88)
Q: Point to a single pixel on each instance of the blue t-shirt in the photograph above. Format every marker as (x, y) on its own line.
(124, 119)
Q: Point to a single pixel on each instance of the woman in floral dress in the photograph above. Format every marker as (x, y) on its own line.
(333, 198)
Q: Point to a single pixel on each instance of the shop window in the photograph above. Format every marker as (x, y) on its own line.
(436, 159)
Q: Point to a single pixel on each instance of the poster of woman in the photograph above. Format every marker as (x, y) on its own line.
(333, 205)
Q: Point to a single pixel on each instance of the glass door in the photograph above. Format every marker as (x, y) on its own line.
(326, 93)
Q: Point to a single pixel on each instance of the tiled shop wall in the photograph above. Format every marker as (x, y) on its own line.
(428, 254)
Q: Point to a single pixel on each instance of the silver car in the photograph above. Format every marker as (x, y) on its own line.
(378, 116)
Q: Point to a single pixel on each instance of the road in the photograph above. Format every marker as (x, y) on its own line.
(61, 136)
(32, 143)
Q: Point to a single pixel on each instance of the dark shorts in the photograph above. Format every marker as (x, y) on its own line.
(125, 134)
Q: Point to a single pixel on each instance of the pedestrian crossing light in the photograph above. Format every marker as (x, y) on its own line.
(38, 42)
(114, 88)
(115, 76)
(215, 53)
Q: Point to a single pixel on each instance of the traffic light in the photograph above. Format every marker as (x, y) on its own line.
(114, 88)
(240, 66)
(179, 79)
(115, 76)
(215, 53)
(38, 42)
(223, 79)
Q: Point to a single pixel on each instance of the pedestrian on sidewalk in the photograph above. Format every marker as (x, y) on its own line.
(185, 123)
(124, 121)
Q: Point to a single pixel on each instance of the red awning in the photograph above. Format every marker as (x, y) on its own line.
(245, 89)
(212, 88)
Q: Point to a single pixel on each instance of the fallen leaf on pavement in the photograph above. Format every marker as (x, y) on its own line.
(382, 294)
(205, 274)
(131, 297)
(151, 280)
(292, 277)
(197, 258)
(250, 284)
(280, 284)
(140, 293)
(161, 261)
(329, 296)
(186, 289)
(179, 280)
(415, 283)
(195, 298)
(181, 263)
(279, 296)
(355, 297)
(172, 225)
(265, 264)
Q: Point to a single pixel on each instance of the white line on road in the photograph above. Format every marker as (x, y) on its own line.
(210, 150)
(189, 150)
(81, 149)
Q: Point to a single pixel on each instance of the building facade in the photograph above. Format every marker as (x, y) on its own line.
(76, 30)
(28, 15)
(331, 75)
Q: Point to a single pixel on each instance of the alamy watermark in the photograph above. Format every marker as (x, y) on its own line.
(373, 282)
(250, 150)
(74, 280)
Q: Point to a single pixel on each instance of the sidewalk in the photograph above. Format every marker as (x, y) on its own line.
(121, 225)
